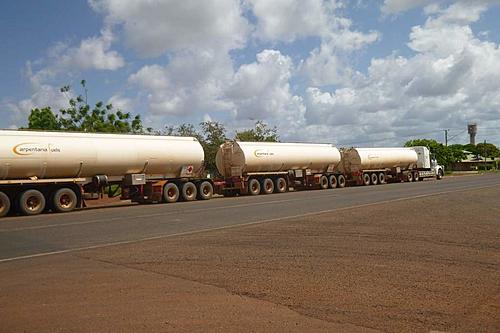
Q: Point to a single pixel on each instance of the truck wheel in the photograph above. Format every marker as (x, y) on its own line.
(409, 177)
(4, 204)
(64, 200)
(281, 185)
(206, 190)
(332, 181)
(341, 181)
(439, 174)
(170, 193)
(253, 187)
(189, 191)
(366, 179)
(415, 177)
(323, 182)
(31, 202)
(267, 186)
(374, 178)
(381, 178)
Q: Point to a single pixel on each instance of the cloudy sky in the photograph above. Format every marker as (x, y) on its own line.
(364, 73)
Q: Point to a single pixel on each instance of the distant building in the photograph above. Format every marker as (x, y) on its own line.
(474, 162)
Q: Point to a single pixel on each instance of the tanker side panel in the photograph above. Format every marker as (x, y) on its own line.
(66, 155)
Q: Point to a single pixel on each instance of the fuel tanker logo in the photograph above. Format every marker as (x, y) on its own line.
(30, 148)
(262, 153)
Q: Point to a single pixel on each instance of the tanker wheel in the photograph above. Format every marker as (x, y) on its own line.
(332, 181)
(267, 186)
(253, 187)
(205, 191)
(439, 174)
(366, 179)
(280, 185)
(416, 178)
(374, 179)
(381, 178)
(4, 204)
(341, 181)
(170, 193)
(64, 200)
(323, 182)
(409, 177)
(31, 202)
(189, 191)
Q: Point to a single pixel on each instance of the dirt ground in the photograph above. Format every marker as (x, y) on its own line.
(428, 264)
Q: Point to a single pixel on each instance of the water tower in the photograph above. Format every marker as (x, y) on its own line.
(472, 130)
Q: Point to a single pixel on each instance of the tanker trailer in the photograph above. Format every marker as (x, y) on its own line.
(267, 167)
(371, 166)
(52, 170)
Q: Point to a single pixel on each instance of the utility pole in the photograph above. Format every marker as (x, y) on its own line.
(484, 153)
(446, 137)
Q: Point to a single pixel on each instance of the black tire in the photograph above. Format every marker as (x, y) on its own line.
(439, 174)
(416, 178)
(409, 177)
(189, 191)
(366, 179)
(31, 202)
(374, 179)
(323, 182)
(381, 178)
(170, 193)
(205, 191)
(280, 185)
(267, 186)
(332, 181)
(253, 187)
(64, 200)
(4, 204)
(341, 181)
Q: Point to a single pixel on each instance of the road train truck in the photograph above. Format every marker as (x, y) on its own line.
(267, 167)
(52, 170)
(371, 166)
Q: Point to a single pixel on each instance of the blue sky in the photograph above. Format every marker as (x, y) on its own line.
(367, 73)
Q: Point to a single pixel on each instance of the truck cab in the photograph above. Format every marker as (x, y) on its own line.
(427, 165)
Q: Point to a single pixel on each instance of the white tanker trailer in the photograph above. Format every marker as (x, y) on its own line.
(267, 167)
(371, 166)
(51, 170)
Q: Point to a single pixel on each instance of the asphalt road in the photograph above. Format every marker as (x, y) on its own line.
(28, 237)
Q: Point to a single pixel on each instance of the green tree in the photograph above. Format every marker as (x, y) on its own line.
(185, 129)
(487, 150)
(213, 135)
(261, 132)
(80, 116)
(43, 119)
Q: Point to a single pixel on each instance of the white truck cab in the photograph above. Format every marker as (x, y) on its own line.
(427, 165)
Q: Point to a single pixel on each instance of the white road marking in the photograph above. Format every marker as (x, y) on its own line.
(44, 254)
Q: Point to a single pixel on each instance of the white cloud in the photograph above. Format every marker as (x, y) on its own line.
(18, 112)
(206, 85)
(192, 83)
(290, 20)
(397, 6)
(448, 82)
(122, 103)
(92, 54)
(153, 28)
(261, 91)
(390, 7)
